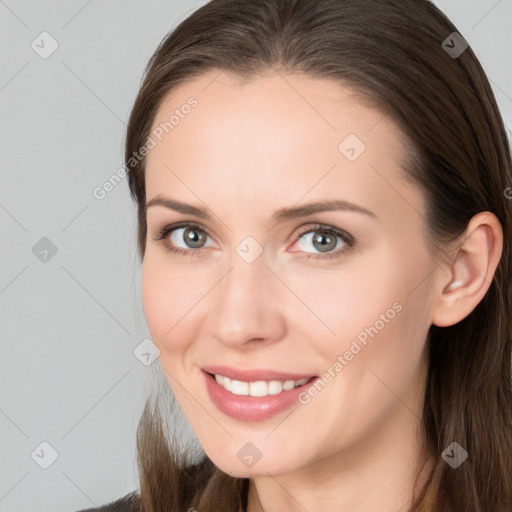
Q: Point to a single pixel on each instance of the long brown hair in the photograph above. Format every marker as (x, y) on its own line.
(392, 53)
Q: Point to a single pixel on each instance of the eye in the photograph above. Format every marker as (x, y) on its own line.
(321, 237)
(192, 236)
(324, 239)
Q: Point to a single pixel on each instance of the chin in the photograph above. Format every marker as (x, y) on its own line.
(245, 461)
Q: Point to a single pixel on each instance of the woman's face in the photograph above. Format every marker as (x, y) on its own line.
(268, 289)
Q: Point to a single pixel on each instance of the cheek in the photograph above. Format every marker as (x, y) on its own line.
(165, 301)
(383, 341)
(346, 301)
(371, 306)
(154, 299)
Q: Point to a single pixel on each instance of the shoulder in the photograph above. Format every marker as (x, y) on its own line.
(128, 503)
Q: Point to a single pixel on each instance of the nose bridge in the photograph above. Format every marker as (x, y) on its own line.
(246, 302)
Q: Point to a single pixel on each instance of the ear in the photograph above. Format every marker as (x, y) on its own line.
(471, 270)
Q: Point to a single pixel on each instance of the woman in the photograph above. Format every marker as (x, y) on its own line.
(325, 240)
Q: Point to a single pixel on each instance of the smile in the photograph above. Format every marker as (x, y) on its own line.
(258, 397)
(257, 388)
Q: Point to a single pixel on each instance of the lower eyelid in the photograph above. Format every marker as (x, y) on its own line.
(327, 255)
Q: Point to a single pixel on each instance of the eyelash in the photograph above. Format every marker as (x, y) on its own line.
(330, 230)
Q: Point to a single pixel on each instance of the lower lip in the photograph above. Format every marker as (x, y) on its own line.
(251, 408)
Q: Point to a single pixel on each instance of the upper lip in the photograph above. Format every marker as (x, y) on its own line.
(254, 374)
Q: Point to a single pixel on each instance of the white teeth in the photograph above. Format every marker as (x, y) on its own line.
(275, 387)
(258, 388)
(239, 388)
(288, 384)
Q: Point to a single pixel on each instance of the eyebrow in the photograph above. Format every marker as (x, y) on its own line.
(281, 215)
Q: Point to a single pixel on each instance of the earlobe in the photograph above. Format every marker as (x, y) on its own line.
(472, 270)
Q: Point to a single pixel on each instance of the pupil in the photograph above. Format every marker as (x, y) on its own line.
(192, 238)
(324, 247)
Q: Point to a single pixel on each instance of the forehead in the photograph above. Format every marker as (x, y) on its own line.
(273, 138)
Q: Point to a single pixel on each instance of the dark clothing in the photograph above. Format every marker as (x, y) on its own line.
(128, 503)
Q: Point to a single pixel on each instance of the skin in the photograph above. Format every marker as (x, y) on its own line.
(245, 151)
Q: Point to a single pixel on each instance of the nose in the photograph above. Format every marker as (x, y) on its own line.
(246, 305)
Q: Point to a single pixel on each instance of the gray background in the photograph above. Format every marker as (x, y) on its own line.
(72, 320)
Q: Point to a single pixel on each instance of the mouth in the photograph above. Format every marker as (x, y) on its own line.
(257, 388)
(254, 400)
